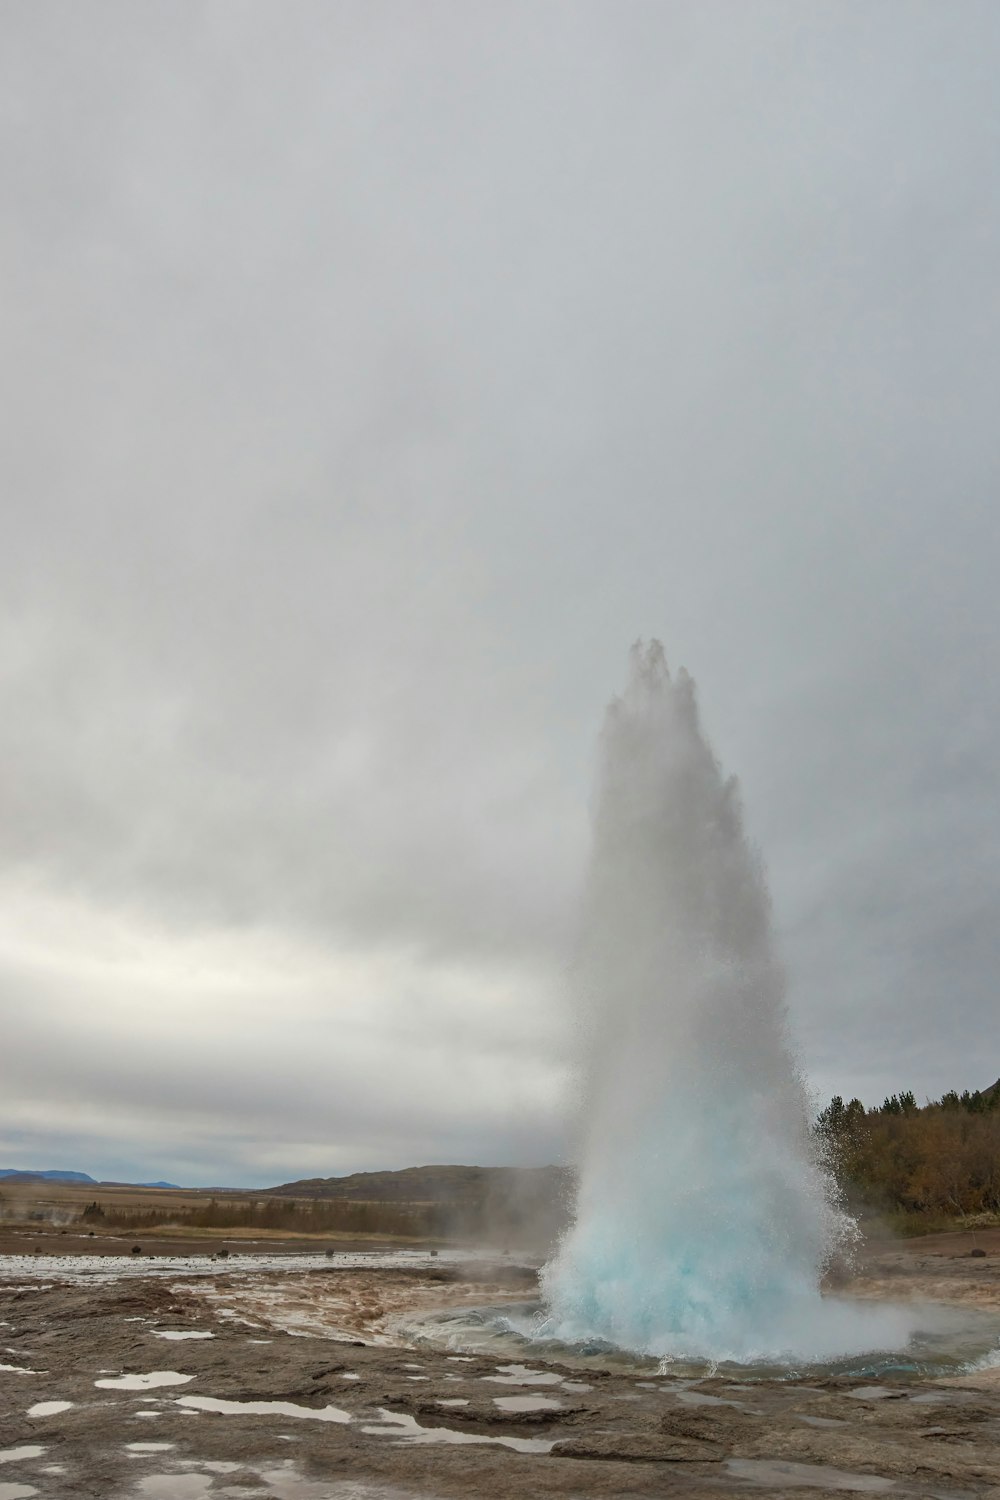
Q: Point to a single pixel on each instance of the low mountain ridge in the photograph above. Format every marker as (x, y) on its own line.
(28, 1174)
(432, 1184)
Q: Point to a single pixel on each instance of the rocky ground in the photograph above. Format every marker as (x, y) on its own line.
(293, 1381)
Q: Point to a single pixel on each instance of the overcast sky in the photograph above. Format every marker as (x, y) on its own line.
(373, 374)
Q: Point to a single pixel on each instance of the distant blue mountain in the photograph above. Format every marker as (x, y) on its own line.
(46, 1176)
(28, 1174)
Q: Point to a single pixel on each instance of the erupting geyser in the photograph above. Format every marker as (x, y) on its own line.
(704, 1217)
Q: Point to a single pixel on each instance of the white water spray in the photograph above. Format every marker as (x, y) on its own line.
(704, 1218)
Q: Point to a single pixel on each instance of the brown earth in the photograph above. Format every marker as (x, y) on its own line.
(299, 1337)
(21, 1240)
(954, 1243)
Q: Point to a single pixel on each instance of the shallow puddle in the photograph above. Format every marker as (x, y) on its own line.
(701, 1398)
(176, 1486)
(144, 1382)
(149, 1447)
(280, 1483)
(16, 1491)
(407, 1429)
(48, 1408)
(19, 1455)
(783, 1473)
(263, 1409)
(180, 1333)
(527, 1403)
(523, 1375)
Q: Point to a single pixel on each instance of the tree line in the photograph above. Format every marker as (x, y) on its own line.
(938, 1159)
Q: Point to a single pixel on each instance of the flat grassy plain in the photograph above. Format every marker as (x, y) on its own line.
(57, 1218)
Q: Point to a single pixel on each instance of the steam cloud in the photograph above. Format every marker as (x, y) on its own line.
(704, 1218)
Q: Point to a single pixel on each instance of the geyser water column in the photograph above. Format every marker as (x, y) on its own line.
(704, 1216)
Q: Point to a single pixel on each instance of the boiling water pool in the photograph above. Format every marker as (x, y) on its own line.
(948, 1339)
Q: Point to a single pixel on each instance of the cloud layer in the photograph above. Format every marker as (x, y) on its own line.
(373, 376)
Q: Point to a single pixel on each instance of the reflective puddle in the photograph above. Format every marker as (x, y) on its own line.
(782, 1472)
(277, 1482)
(144, 1382)
(523, 1375)
(527, 1403)
(178, 1334)
(407, 1429)
(176, 1486)
(263, 1409)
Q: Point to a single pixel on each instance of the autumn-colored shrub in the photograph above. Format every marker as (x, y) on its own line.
(939, 1158)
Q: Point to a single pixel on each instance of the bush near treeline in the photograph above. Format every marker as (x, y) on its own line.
(940, 1158)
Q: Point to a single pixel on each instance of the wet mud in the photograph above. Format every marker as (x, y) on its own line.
(303, 1381)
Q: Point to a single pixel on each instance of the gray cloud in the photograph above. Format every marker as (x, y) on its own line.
(372, 377)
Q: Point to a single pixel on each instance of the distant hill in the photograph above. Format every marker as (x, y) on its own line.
(26, 1174)
(114, 1182)
(440, 1184)
(520, 1205)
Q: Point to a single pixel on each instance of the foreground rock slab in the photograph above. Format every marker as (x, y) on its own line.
(299, 1383)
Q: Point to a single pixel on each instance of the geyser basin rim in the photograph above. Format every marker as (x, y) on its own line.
(947, 1338)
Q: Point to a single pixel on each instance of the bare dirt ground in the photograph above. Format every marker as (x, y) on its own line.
(306, 1389)
(21, 1240)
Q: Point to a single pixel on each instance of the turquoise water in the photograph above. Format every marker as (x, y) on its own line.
(946, 1339)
